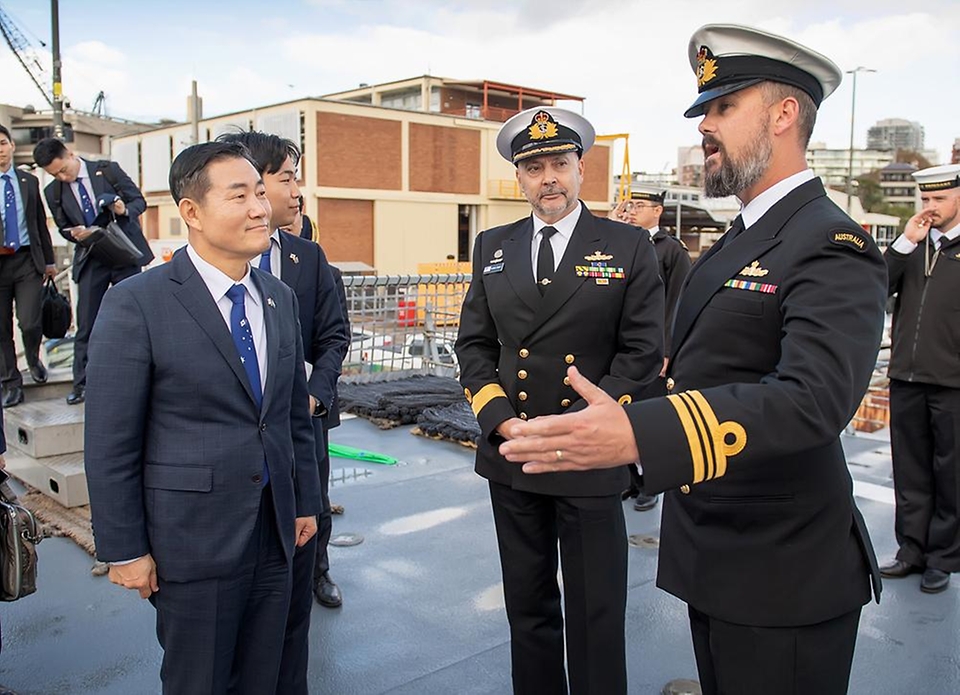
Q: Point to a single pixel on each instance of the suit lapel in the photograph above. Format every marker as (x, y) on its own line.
(720, 264)
(96, 180)
(516, 261)
(271, 326)
(584, 241)
(69, 204)
(289, 269)
(195, 298)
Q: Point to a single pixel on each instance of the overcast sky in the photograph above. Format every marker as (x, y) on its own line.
(627, 58)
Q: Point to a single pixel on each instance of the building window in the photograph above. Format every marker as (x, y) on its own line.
(473, 111)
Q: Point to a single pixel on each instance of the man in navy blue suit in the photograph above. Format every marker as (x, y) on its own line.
(72, 199)
(200, 454)
(302, 265)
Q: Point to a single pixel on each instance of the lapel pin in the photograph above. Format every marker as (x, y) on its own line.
(498, 253)
(294, 258)
(271, 303)
(99, 173)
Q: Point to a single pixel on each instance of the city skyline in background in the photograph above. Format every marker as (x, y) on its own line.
(626, 59)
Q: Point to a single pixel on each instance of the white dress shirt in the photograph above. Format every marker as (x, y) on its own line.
(218, 283)
(759, 206)
(653, 230)
(275, 252)
(83, 175)
(559, 241)
(906, 247)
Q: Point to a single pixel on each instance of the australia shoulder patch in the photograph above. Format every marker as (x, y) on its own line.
(851, 239)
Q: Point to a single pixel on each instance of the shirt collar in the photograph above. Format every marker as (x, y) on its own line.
(82, 173)
(564, 226)
(219, 282)
(759, 206)
(653, 230)
(10, 170)
(935, 234)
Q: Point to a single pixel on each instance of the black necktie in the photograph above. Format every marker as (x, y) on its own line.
(732, 233)
(545, 259)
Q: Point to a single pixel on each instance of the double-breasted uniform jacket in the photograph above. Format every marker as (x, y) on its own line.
(674, 263)
(926, 318)
(775, 339)
(602, 313)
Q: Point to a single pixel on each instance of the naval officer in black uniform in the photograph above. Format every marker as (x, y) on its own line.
(644, 210)
(556, 288)
(774, 341)
(924, 265)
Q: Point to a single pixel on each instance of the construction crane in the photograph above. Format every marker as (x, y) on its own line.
(623, 190)
(100, 104)
(26, 54)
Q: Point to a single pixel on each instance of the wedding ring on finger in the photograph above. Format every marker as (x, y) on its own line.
(559, 454)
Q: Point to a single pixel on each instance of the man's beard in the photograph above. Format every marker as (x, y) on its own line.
(734, 177)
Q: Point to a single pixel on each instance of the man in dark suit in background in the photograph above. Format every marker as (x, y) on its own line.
(72, 200)
(199, 454)
(302, 265)
(774, 342)
(26, 257)
(556, 288)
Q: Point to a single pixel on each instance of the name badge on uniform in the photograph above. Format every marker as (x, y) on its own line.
(495, 267)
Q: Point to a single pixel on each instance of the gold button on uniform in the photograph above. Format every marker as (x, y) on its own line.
(566, 381)
(569, 359)
(522, 374)
(670, 383)
(522, 395)
(565, 403)
(625, 399)
(685, 489)
(524, 353)
(523, 416)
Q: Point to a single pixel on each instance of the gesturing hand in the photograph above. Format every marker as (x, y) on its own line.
(599, 436)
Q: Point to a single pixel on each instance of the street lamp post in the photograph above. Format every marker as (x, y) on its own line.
(853, 110)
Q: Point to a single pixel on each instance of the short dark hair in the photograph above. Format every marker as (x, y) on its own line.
(4, 131)
(188, 173)
(267, 149)
(47, 150)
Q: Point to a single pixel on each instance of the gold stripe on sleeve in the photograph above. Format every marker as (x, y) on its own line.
(693, 436)
(485, 395)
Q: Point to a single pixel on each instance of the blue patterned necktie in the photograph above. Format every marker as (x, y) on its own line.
(265, 258)
(11, 229)
(243, 341)
(88, 213)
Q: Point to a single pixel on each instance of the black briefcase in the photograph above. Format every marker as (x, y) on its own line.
(55, 312)
(112, 247)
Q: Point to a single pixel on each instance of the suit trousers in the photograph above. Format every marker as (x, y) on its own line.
(21, 283)
(593, 558)
(296, 641)
(94, 281)
(744, 660)
(925, 441)
(225, 635)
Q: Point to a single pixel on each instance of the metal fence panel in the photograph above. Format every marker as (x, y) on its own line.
(404, 322)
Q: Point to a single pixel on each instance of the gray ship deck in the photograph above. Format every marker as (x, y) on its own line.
(423, 610)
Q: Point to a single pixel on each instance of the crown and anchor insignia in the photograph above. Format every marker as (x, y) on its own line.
(543, 127)
(706, 66)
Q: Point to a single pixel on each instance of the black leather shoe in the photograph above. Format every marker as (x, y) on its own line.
(38, 373)
(77, 396)
(12, 396)
(934, 581)
(898, 569)
(327, 593)
(645, 503)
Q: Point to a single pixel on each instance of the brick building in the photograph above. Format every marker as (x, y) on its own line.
(388, 187)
